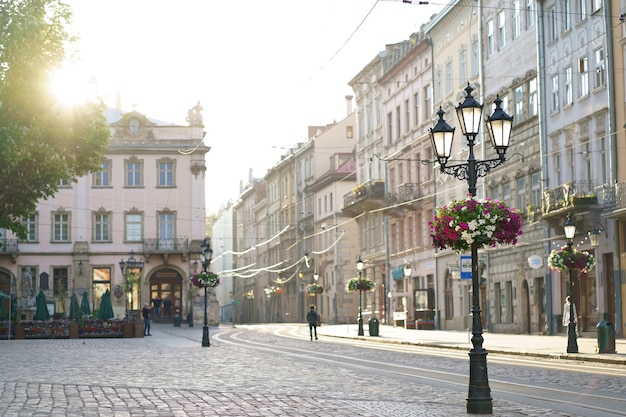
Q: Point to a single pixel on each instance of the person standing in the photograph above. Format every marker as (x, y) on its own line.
(146, 311)
(156, 302)
(567, 307)
(313, 318)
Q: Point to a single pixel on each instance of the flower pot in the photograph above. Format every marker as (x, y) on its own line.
(139, 329)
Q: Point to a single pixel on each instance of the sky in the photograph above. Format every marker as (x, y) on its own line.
(263, 71)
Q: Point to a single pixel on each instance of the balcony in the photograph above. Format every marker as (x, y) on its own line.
(615, 200)
(574, 195)
(166, 247)
(365, 197)
(9, 247)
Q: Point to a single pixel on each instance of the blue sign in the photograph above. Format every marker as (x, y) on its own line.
(466, 267)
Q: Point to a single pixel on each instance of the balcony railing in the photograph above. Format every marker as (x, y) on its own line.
(366, 196)
(568, 195)
(9, 246)
(166, 245)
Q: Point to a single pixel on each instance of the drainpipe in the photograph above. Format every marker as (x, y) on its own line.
(543, 155)
(612, 146)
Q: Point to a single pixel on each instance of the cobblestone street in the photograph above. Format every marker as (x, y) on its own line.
(170, 374)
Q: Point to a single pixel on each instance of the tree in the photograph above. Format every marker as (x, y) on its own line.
(41, 141)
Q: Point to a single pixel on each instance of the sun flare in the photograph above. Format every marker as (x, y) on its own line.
(71, 85)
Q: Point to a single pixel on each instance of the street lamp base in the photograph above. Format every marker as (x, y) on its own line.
(205, 336)
(361, 332)
(479, 396)
(572, 343)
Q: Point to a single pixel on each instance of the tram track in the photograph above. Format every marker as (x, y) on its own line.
(581, 400)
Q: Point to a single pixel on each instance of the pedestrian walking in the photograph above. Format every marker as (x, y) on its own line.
(146, 311)
(569, 308)
(167, 306)
(314, 319)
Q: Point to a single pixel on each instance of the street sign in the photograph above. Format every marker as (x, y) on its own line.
(466, 267)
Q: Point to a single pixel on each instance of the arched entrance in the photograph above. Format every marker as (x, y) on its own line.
(166, 286)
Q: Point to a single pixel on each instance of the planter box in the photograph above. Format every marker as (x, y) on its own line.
(73, 331)
(128, 330)
(139, 329)
(19, 332)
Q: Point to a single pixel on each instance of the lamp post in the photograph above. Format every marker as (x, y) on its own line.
(359, 267)
(572, 343)
(499, 125)
(195, 269)
(131, 267)
(206, 253)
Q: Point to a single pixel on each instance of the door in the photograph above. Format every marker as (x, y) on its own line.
(166, 287)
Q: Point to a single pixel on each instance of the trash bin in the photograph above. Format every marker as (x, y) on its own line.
(373, 325)
(176, 320)
(190, 319)
(606, 337)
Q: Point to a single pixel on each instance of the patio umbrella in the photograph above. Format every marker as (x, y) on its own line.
(84, 305)
(106, 307)
(75, 313)
(41, 313)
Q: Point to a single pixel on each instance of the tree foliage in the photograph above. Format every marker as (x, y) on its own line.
(41, 141)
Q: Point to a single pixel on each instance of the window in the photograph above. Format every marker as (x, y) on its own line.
(390, 127)
(102, 227)
(166, 225)
(428, 101)
(552, 24)
(438, 85)
(63, 182)
(535, 189)
(519, 103)
(59, 281)
(600, 71)
(134, 173)
(497, 303)
(463, 65)
(582, 9)
(474, 58)
(555, 94)
(60, 227)
(407, 115)
(134, 227)
(448, 77)
(370, 118)
(517, 19)
(567, 19)
(490, 40)
(583, 70)
(30, 223)
(398, 122)
(532, 97)
(416, 107)
(596, 5)
(102, 178)
(166, 173)
(501, 29)
(569, 93)
(521, 193)
(530, 13)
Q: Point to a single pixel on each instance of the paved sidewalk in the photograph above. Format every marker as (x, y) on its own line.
(530, 345)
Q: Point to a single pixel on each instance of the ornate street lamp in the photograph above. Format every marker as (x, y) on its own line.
(572, 343)
(359, 267)
(195, 269)
(206, 253)
(499, 125)
(131, 271)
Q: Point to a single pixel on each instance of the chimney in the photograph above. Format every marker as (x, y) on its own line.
(349, 105)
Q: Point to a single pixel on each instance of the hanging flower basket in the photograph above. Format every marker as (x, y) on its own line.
(356, 284)
(205, 279)
(314, 289)
(568, 257)
(462, 222)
